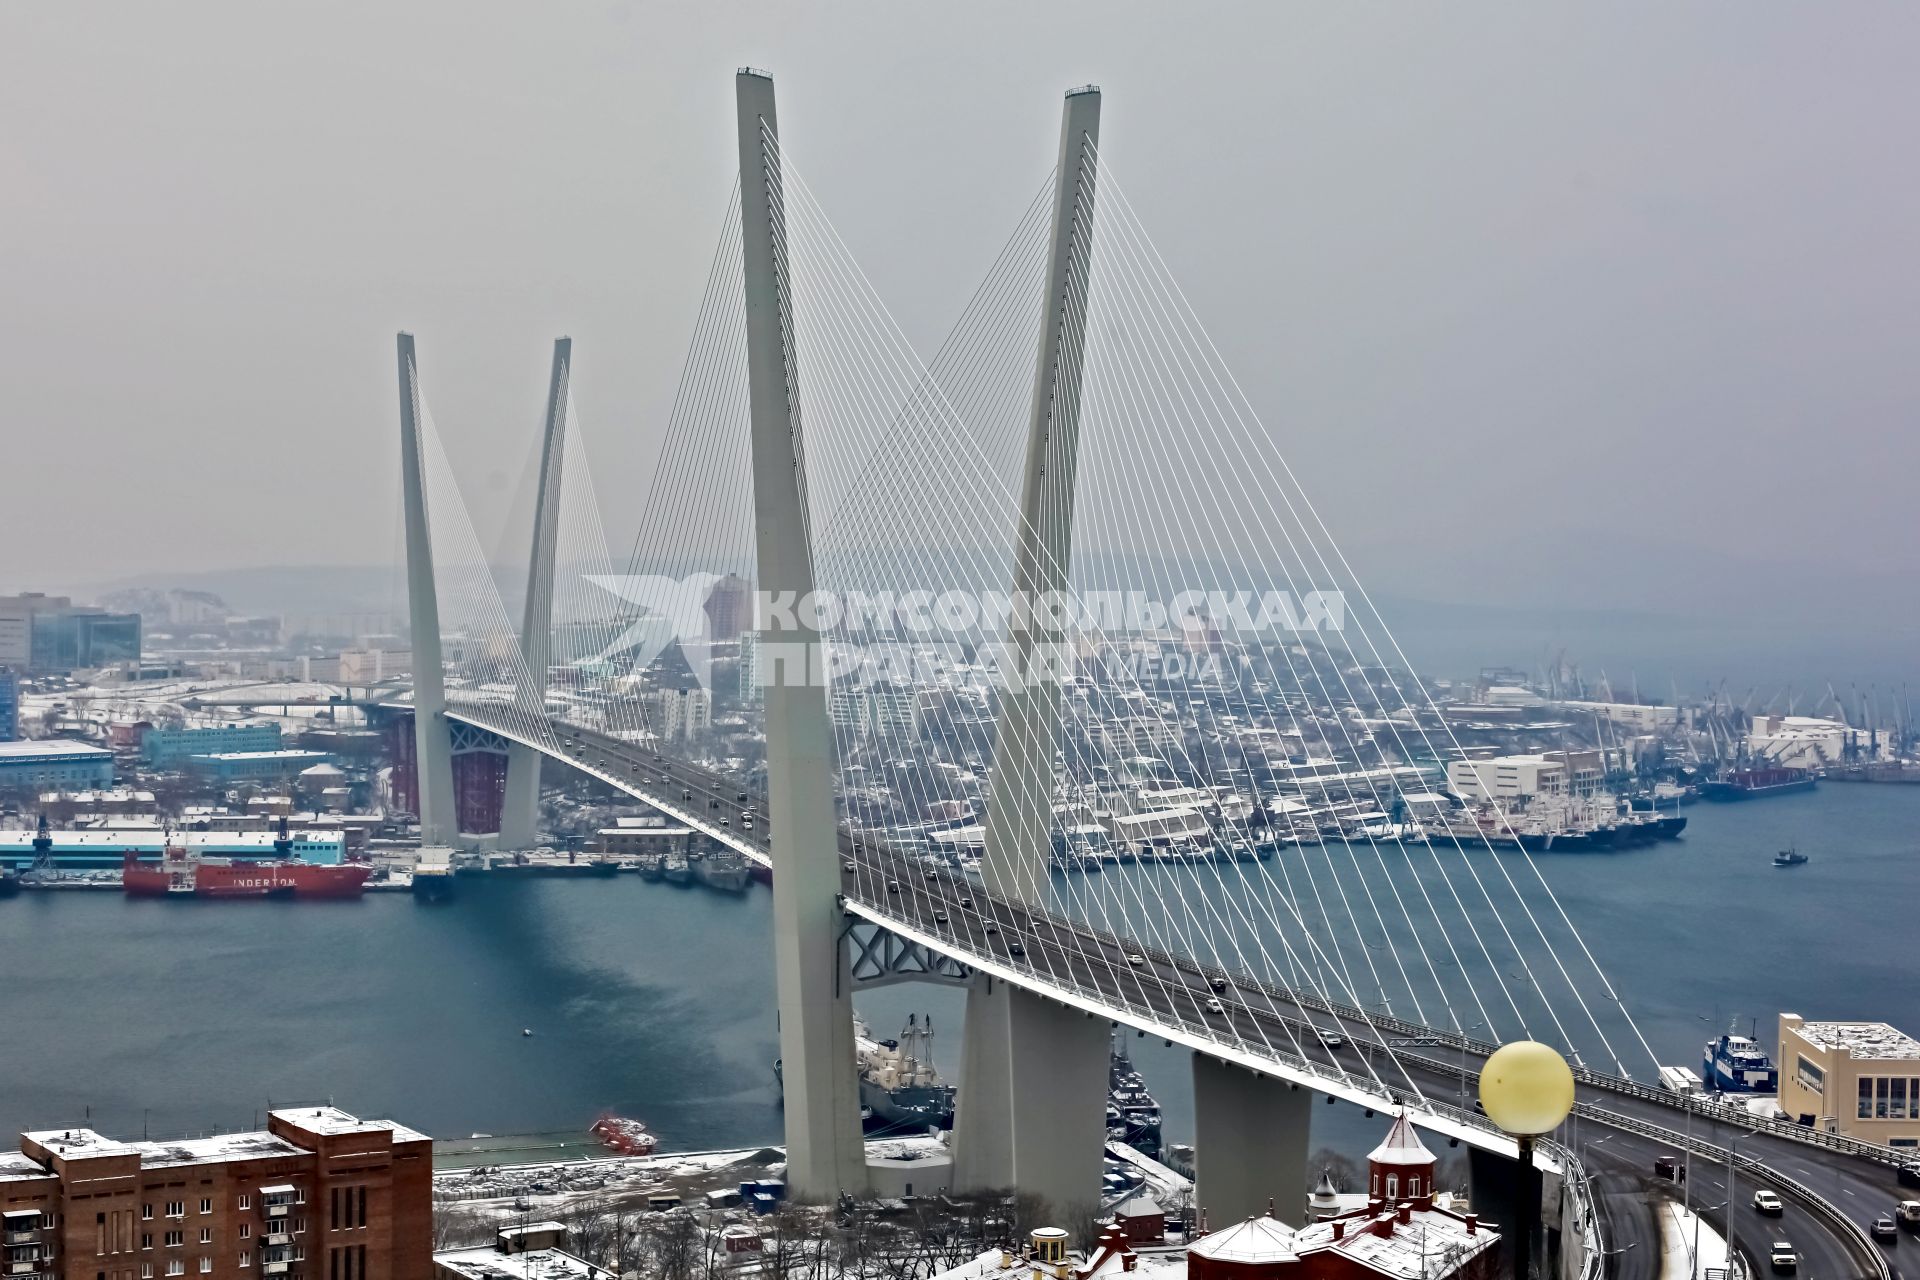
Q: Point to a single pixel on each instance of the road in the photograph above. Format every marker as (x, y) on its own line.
(1171, 992)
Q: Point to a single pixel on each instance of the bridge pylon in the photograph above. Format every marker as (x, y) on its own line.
(433, 747)
(520, 807)
(825, 1155)
(1032, 1108)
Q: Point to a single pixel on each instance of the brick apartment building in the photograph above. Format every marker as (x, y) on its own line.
(318, 1195)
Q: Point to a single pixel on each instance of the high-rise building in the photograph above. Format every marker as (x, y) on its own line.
(9, 704)
(679, 713)
(42, 634)
(729, 609)
(317, 1195)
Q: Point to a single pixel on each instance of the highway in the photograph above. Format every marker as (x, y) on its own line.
(1306, 1039)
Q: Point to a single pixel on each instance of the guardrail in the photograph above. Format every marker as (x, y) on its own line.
(1876, 1261)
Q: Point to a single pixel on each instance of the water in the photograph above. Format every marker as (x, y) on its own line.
(657, 1002)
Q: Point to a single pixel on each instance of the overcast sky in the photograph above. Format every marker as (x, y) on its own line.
(1612, 291)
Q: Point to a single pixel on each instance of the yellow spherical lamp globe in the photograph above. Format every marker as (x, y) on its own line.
(1526, 1088)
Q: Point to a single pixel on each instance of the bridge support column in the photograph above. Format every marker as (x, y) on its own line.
(825, 1155)
(1250, 1143)
(1033, 1097)
(520, 808)
(1018, 841)
(433, 748)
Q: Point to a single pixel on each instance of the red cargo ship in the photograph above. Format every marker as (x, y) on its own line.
(183, 873)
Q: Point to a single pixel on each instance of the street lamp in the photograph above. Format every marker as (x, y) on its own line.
(1693, 1257)
(1526, 1089)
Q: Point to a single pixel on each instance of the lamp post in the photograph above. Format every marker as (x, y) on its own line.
(1733, 1157)
(1693, 1256)
(1527, 1089)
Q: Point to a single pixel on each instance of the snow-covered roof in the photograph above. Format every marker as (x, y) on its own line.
(1402, 1145)
(1869, 1040)
(1261, 1239)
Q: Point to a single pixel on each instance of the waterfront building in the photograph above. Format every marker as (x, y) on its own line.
(317, 1195)
(1524, 777)
(637, 840)
(9, 704)
(1857, 1078)
(173, 748)
(56, 764)
(1808, 742)
(104, 848)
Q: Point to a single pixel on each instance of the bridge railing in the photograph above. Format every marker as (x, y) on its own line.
(1387, 1022)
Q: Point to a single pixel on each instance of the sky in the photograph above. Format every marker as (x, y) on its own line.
(1622, 297)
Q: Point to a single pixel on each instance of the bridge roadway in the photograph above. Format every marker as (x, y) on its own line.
(1330, 1048)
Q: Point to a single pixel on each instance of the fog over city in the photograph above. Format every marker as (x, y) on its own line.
(1587, 328)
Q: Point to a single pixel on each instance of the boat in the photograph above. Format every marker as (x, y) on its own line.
(677, 869)
(651, 865)
(1748, 784)
(1133, 1113)
(1789, 857)
(9, 882)
(626, 1136)
(723, 869)
(181, 873)
(1737, 1064)
(898, 1080)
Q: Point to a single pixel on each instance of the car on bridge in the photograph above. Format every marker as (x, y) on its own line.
(1882, 1228)
(1214, 1005)
(1782, 1258)
(1910, 1174)
(1137, 960)
(1768, 1203)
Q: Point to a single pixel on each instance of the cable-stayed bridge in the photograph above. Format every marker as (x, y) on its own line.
(1043, 676)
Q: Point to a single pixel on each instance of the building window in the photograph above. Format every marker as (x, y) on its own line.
(206, 1206)
(175, 1239)
(146, 1271)
(1865, 1111)
(146, 1239)
(206, 1235)
(146, 1213)
(206, 1266)
(246, 1201)
(176, 1267)
(246, 1258)
(1393, 1186)
(176, 1208)
(246, 1230)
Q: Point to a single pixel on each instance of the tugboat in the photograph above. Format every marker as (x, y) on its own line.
(1737, 1064)
(1789, 857)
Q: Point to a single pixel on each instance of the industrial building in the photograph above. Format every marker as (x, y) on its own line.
(56, 764)
(1558, 773)
(108, 847)
(317, 1193)
(173, 748)
(241, 766)
(1857, 1078)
